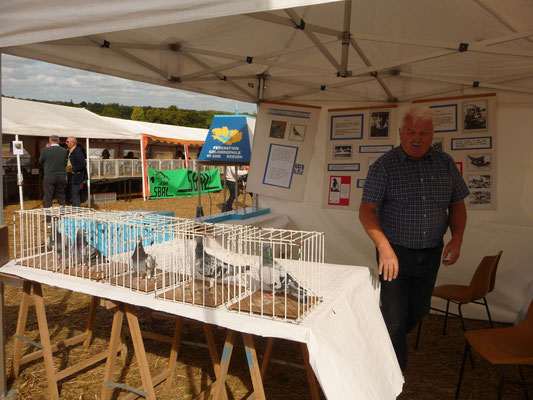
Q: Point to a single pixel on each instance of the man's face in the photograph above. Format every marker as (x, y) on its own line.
(416, 137)
(70, 143)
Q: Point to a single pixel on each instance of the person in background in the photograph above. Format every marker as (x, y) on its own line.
(232, 175)
(54, 159)
(105, 154)
(76, 170)
(130, 156)
(411, 195)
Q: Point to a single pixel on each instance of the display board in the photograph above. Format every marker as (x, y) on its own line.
(356, 137)
(465, 128)
(282, 149)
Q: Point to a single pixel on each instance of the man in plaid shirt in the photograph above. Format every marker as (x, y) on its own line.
(411, 195)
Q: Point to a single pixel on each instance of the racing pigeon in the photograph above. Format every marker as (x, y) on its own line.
(209, 266)
(142, 263)
(85, 253)
(275, 276)
(59, 244)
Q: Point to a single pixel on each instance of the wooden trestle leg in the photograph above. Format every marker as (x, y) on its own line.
(46, 349)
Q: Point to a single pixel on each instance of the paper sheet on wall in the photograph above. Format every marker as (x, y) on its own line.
(282, 150)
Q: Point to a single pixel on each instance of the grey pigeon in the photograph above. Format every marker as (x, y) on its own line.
(142, 263)
(275, 276)
(85, 253)
(209, 266)
(59, 244)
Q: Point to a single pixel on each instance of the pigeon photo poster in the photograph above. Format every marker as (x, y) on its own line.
(465, 128)
(283, 146)
(356, 137)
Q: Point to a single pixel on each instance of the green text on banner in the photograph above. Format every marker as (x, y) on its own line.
(182, 182)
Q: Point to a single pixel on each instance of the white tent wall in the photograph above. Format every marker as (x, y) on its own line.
(510, 228)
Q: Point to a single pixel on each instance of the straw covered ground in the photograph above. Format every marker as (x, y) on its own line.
(432, 372)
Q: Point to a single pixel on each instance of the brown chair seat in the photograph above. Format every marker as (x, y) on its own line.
(458, 293)
(503, 345)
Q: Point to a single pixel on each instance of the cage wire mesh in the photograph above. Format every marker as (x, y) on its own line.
(270, 273)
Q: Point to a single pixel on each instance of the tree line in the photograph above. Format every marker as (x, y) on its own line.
(170, 116)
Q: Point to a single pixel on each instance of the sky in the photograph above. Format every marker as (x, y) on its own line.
(29, 79)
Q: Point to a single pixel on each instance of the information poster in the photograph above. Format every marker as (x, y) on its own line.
(280, 165)
(282, 149)
(339, 190)
(356, 138)
(465, 129)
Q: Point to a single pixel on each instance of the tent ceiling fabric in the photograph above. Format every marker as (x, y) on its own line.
(391, 51)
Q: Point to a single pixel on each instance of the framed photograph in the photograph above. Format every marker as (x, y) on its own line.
(277, 129)
(438, 143)
(479, 182)
(475, 115)
(343, 152)
(480, 198)
(346, 127)
(479, 162)
(297, 132)
(444, 118)
(379, 124)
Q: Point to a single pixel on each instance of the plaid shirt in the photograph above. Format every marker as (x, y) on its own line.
(413, 197)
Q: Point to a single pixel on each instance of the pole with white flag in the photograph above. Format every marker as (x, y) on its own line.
(20, 179)
(88, 173)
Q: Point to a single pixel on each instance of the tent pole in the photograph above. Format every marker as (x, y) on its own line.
(88, 173)
(224, 205)
(199, 209)
(20, 179)
(142, 170)
(1, 179)
(3, 380)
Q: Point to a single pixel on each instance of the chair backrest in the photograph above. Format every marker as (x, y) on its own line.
(485, 276)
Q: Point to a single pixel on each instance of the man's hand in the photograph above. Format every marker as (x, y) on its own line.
(388, 264)
(451, 253)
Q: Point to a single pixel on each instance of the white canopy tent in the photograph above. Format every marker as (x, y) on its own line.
(329, 53)
(32, 118)
(332, 54)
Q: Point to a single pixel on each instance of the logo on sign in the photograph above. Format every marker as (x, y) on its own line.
(226, 136)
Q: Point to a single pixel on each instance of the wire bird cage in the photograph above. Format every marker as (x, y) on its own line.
(270, 273)
(286, 272)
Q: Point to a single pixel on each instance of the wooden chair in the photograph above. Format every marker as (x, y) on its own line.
(482, 283)
(503, 346)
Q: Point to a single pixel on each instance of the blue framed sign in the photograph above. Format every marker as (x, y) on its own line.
(349, 126)
(444, 118)
(279, 169)
(344, 167)
(475, 143)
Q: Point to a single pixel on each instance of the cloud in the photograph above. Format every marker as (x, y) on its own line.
(30, 79)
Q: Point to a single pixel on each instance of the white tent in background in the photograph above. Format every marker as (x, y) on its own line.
(32, 118)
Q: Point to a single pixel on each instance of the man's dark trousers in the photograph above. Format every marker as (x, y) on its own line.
(51, 185)
(407, 299)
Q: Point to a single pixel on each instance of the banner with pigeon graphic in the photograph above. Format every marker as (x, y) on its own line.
(229, 140)
(182, 182)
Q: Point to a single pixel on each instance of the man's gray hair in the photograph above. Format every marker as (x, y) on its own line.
(419, 112)
(54, 139)
(73, 139)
